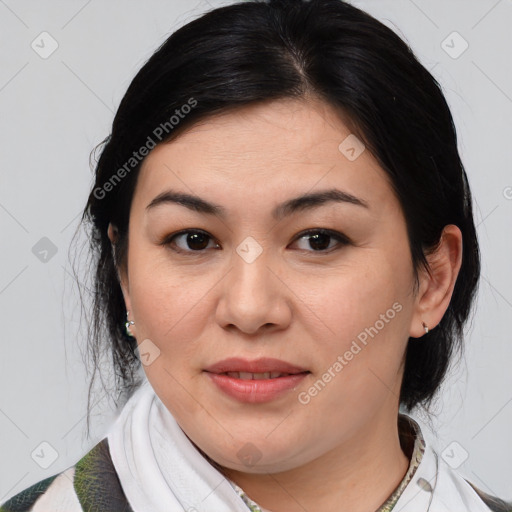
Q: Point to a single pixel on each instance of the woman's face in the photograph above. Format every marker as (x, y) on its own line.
(333, 309)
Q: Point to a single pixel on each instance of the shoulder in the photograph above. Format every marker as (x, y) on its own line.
(451, 481)
(55, 493)
(91, 484)
(438, 486)
(494, 503)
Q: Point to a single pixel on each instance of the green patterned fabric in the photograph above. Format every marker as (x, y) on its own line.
(24, 500)
(96, 482)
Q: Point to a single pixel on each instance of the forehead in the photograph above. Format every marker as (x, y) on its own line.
(271, 149)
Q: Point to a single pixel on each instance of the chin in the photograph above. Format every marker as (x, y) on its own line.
(258, 457)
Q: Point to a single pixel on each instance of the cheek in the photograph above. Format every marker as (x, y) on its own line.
(169, 305)
(355, 300)
(368, 315)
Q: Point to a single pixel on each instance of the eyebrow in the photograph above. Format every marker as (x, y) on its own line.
(285, 209)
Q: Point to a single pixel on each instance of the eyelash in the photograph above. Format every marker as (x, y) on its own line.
(342, 240)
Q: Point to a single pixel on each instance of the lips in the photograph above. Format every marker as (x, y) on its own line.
(257, 366)
(257, 381)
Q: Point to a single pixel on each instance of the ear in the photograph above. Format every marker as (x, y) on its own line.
(436, 287)
(121, 275)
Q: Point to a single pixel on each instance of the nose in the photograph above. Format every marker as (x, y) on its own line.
(254, 296)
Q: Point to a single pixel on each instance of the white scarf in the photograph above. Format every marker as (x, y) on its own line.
(158, 466)
(160, 470)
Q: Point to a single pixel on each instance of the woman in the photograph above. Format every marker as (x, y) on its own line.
(284, 239)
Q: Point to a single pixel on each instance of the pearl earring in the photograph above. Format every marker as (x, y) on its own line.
(127, 325)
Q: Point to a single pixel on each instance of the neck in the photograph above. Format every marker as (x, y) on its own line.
(357, 476)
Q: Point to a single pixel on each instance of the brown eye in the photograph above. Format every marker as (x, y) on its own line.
(320, 240)
(188, 241)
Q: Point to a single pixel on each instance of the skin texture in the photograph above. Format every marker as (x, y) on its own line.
(341, 450)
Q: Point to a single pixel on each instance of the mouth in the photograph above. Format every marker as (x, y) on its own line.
(258, 367)
(256, 376)
(256, 381)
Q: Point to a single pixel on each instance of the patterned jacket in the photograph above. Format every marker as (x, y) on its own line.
(92, 485)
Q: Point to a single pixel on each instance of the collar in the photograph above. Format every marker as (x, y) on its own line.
(413, 444)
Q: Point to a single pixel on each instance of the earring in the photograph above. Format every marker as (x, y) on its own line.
(127, 325)
(425, 326)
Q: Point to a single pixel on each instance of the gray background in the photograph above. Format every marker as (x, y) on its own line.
(53, 112)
